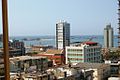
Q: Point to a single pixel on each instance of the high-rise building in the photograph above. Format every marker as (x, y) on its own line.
(62, 34)
(119, 24)
(108, 36)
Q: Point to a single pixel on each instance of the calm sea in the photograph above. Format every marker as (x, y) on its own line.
(50, 40)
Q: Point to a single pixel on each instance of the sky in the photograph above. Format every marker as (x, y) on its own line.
(39, 17)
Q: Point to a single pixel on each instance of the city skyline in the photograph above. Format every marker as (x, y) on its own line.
(40, 17)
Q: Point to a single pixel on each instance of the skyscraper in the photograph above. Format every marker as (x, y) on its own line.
(119, 24)
(62, 34)
(108, 36)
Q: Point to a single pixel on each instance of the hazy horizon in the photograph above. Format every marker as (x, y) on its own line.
(39, 17)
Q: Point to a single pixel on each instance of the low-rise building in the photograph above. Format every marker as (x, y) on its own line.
(114, 78)
(28, 64)
(16, 44)
(1, 37)
(1, 69)
(55, 55)
(40, 48)
(114, 67)
(30, 76)
(84, 52)
(12, 52)
(69, 73)
(101, 71)
(36, 49)
(24, 67)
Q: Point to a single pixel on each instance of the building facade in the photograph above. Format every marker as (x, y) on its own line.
(101, 71)
(54, 55)
(1, 38)
(84, 52)
(62, 34)
(12, 52)
(108, 37)
(16, 44)
(28, 64)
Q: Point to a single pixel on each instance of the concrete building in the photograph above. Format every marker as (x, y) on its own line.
(1, 38)
(12, 52)
(114, 67)
(2, 69)
(25, 68)
(28, 64)
(16, 44)
(83, 52)
(68, 73)
(108, 37)
(100, 71)
(40, 48)
(54, 55)
(114, 78)
(62, 34)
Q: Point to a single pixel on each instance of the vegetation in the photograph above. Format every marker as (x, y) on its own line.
(34, 52)
(114, 54)
(111, 54)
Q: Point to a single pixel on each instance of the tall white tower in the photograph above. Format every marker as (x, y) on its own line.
(62, 34)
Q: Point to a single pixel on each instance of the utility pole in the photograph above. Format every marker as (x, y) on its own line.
(5, 39)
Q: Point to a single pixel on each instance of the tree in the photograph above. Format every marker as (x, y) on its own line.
(115, 54)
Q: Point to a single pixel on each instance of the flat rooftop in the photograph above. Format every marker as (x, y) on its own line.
(22, 58)
(90, 65)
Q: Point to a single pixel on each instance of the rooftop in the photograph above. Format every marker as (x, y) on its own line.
(90, 65)
(90, 43)
(54, 51)
(41, 46)
(22, 58)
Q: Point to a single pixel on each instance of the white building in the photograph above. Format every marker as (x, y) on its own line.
(83, 52)
(62, 34)
(113, 78)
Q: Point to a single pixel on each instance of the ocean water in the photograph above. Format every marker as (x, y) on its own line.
(50, 40)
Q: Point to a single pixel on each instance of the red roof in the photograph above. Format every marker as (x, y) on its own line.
(89, 42)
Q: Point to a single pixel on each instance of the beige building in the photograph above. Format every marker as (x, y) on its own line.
(28, 63)
(54, 55)
(101, 71)
(108, 36)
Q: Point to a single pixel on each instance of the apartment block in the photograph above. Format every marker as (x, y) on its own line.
(83, 52)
